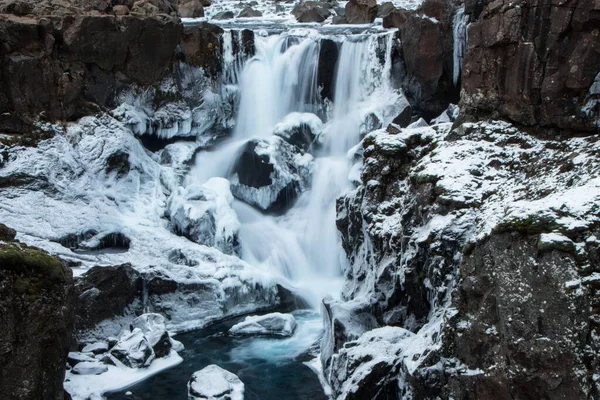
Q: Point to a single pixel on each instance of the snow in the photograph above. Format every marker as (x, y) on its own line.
(96, 348)
(116, 378)
(152, 326)
(213, 382)
(89, 368)
(297, 119)
(277, 324)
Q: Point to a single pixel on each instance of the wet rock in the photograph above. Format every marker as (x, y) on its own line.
(133, 350)
(89, 368)
(203, 213)
(249, 12)
(36, 322)
(536, 77)
(328, 56)
(190, 9)
(270, 174)
(215, 383)
(274, 324)
(360, 11)
(121, 284)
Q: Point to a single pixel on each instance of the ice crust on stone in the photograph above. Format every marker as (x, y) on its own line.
(215, 383)
(276, 324)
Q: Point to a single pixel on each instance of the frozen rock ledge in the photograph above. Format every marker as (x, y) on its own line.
(215, 383)
(276, 324)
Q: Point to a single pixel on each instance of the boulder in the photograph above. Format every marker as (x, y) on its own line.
(311, 11)
(105, 292)
(190, 9)
(249, 12)
(89, 368)
(215, 383)
(404, 117)
(223, 15)
(274, 324)
(299, 129)
(133, 350)
(360, 11)
(203, 214)
(385, 9)
(270, 174)
(36, 321)
(121, 10)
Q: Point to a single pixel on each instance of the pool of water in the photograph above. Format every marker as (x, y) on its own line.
(271, 368)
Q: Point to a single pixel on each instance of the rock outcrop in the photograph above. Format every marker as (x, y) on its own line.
(213, 382)
(534, 62)
(36, 321)
(473, 249)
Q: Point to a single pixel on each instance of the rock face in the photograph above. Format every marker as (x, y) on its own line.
(423, 57)
(274, 324)
(483, 278)
(36, 321)
(215, 383)
(516, 68)
(59, 67)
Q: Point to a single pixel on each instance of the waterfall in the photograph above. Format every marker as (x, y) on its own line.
(459, 27)
(303, 246)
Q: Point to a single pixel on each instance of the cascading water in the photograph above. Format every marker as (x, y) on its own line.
(302, 246)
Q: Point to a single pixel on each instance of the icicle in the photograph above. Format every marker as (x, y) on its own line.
(459, 26)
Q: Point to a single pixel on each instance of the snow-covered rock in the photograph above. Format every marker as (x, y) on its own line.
(89, 368)
(133, 350)
(96, 348)
(155, 331)
(75, 357)
(299, 129)
(203, 214)
(270, 173)
(215, 383)
(275, 324)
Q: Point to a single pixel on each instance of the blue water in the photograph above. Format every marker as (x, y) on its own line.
(271, 368)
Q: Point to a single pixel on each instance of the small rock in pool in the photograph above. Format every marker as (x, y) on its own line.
(215, 383)
(276, 324)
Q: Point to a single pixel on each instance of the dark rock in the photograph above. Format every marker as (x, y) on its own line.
(36, 323)
(385, 9)
(361, 11)
(328, 56)
(7, 234)
(249, 12)
(223, 15)
(404, 117)
(121, 284)
(162, 348)
(133, 350)
(202, 47)
(517, 68)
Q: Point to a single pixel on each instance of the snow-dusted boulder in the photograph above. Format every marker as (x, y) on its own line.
(96, 348)
(449, 115)
(215, 383)
(133, 350)
(74, 358)
(203, 214)
(154, 329)
(420, 123)
(270, 174)
(89, 368)
(299, 129)
(276, 324)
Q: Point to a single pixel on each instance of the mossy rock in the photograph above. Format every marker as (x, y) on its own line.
(33, 269)
(530, 224)
(7, 234)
